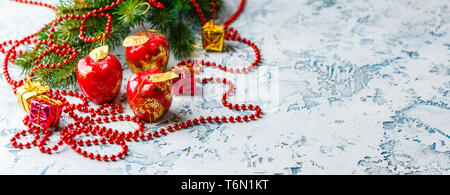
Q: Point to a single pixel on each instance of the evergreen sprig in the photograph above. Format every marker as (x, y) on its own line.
(173, 21)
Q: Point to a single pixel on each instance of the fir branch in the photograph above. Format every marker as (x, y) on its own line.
(163, 19)
(181, 40)
(130, 12)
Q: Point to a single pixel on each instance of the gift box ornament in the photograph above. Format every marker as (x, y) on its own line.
(45, 111)
(185, 83)
(213, 36)
(29, 91)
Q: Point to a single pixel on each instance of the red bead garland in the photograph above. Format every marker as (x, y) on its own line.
(107, 113)
(37, 3)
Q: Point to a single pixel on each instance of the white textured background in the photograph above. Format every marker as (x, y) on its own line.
(348, 87)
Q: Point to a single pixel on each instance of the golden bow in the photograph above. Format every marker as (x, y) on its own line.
(46, 99)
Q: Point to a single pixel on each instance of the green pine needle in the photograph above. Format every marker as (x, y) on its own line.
(163, 19)
(131, 12)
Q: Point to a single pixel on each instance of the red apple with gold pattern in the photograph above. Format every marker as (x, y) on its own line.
(99, 76)
(146, 50)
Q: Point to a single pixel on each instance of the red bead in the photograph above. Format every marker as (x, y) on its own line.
(170, 128)
(149, 136)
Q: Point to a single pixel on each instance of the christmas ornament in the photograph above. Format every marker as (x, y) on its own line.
(93, 127)
(146, 50)
(149, 94)
(99, 75)
(45, 111)
(185, 83)
(213, 36)
(27, 92)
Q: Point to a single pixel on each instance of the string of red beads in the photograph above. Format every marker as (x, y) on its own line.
(107, 113)
(200, 13)
(37, 3)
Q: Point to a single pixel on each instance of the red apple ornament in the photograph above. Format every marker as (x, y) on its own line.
(146, 50)
(149, 94)
(99, 76)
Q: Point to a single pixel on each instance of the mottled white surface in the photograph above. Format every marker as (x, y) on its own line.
(348, 87)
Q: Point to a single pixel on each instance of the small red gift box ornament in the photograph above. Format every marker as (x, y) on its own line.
(45, 111)
(185, 83)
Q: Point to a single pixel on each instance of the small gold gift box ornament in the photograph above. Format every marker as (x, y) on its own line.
(28, 92)
(213, 36)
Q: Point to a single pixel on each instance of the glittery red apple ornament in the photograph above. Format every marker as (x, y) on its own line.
(149, 94)
(99, 76)
(146, 50)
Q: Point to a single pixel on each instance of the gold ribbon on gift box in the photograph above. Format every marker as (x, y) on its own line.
(213, 36)
(29, 91)
(181, 69)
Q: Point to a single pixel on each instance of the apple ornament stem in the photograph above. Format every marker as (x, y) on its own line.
(99, 75)
(149, 94)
